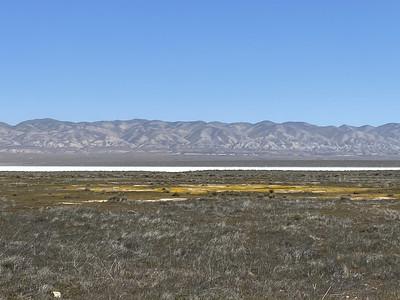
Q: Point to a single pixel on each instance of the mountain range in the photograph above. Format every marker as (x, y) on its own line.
(263, 138)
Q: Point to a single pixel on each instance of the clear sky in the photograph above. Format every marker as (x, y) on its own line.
(324, 62)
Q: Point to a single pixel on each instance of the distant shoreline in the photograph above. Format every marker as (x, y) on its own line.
(165, 160)
(184, 169)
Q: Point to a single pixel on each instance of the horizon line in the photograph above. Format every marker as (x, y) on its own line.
(194, 121)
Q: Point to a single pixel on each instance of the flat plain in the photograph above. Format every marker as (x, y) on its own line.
(200, 235)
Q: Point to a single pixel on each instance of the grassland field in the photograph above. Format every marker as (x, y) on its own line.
(200, 235)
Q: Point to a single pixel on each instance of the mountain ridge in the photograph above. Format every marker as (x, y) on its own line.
(141, 135)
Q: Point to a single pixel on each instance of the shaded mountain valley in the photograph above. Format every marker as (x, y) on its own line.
(291, 139)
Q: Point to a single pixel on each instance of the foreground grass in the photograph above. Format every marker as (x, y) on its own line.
(233, 238)
(229, 246)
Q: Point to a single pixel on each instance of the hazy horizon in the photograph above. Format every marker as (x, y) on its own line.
(193, 121)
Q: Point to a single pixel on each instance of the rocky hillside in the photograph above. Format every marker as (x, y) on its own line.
(291, 138)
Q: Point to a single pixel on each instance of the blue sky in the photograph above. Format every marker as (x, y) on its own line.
(324, 62)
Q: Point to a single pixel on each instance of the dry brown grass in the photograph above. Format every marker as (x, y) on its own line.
(230, 244)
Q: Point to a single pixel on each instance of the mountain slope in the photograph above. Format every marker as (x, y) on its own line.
(291, 138)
